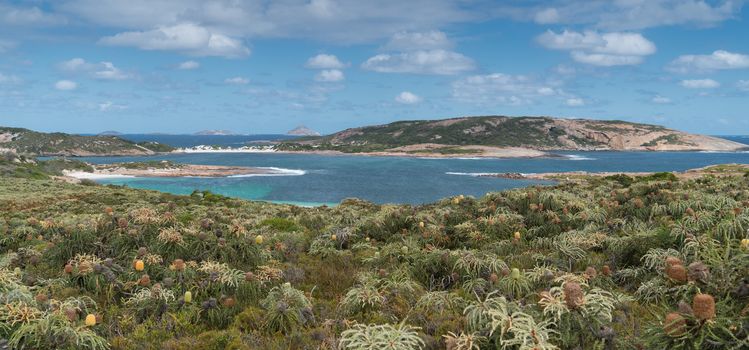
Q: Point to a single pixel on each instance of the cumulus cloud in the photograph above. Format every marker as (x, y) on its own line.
(66, 85)
(575, 102)
(717, 60)
(324, 61)
(101, 70)
(187, 38)
(110, 106)
(660, 99)
(439, 62)
(188, 65)
(237, 81)
(700, 84)
(414, 41)
(407, 98)
(28, 16)
(498, 88)
(330, 76)
(607, 49)
(743, 85)
(626, 14)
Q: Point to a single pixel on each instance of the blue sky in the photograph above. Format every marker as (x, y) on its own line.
(267, 66)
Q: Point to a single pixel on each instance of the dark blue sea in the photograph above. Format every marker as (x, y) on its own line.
(319, 179)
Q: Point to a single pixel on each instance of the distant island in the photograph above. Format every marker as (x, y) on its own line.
(215, 133)
(501, 136)
(110, 133)
(302, 130)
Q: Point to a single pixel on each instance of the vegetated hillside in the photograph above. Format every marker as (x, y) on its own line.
(60, 144)
(610, 263)
(541, 133)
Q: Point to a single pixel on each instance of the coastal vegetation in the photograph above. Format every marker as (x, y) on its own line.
(25, 141)
(616, 262)
(537, 133)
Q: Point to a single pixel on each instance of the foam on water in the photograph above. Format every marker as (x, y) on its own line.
(275, 172)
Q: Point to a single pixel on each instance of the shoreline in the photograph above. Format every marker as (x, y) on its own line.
(113, 171)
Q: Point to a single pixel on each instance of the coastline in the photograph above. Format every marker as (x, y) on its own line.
(113, 171)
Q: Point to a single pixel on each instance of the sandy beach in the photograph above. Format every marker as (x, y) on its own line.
(113, 171)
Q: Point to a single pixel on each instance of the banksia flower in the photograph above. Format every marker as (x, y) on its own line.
(516, 235)
(515, 273)
(139, 265)
(228, 302)
(703, 306)
(188, 297)
(142, 251)
(71, 314)
(68, 269)
(421, 224)
(90, 320)
(493, 278)
(259, 239)
(606, 270)
(690, 211)
(109, 211)
(677, 273)
(745, 243)
(573, 295)
(672, 260)
(333, 237)
(41, 298)
(674, 325)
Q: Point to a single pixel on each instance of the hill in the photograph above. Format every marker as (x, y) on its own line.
(302, 130)
(463, 135)
(60, 144)
(215, 132)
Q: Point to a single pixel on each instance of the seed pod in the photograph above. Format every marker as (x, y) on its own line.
(699, 272)
(168, 282)
(68, 269)
(142, 251)
(677, 273)
(493, 278)
(144, 281)
(71, 314)
(690, 211)
(703, 306)
(684, 308)
(249, 276)
(591, 272)
(179, 264)
(674, 325)
(228, 302)
(606, 270)
(41, 298)
(573, 295)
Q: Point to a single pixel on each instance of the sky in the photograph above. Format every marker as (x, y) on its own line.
(259, 66)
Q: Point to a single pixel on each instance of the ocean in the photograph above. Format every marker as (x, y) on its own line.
(322, 179)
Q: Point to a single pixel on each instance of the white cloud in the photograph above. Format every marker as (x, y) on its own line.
(330, 76)
(101, 70)
(407, 98)
(28, 16)
(660, 99)
(188, 65)
(66, 85)
(607, 49)
(504, 89)
(414, 41)
(9, 79)
(719, 59)
(187, 38)
(547, 16)
(324, 61)
(743, 85)
(439, 62)
(700, 84)
(110, 106)
(237, 81)
(575, 102)
(6, 45)
(625, 14)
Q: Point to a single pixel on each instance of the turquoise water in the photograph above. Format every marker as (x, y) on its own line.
(329, 179)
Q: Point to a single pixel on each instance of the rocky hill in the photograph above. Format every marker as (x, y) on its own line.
(60, 144)
(302, 131)
(537, 133)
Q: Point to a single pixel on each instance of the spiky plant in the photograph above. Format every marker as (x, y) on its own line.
(384, 336)
(463, 341)
(288, 309)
